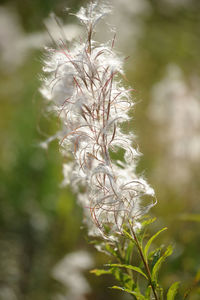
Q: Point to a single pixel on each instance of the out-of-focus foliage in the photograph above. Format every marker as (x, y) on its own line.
(33, 12)
(41, 223)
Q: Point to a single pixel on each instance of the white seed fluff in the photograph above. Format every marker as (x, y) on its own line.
(83, 87)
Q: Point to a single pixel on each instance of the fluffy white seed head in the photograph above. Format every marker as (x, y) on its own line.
(83, 87)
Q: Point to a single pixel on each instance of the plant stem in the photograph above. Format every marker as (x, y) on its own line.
(144, 262)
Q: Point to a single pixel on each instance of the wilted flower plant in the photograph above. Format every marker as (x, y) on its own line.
(84, 88)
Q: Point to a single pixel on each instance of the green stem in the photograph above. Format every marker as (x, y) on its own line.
(144, 262)
(121, 261)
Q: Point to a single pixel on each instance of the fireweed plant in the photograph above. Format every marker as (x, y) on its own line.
(84, 88)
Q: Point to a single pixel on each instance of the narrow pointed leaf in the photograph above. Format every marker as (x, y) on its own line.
(128, 236)
(148, 292)
(137, 294)
(148, 222)
(110, 250)
(155, 255)
(99, 272)
(136, 269)
(173, 290)
(146, 249)
(129, 252)
(158, 264)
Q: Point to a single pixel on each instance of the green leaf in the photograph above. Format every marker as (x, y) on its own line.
(197, 277)
(120, 276)
(129, 236)
(117, 274)
(136, 269)
(190, 217)
(129, 252)
(141, 232)
(110, 250)
(99, 272)
(155, 257)
(148, 292)
(158, 264)
(193, 286)
(137, 294)
(146, 249)
(148, 222)
(173, 290)
(127, 281)
(160, 292)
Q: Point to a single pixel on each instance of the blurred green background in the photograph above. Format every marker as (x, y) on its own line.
(40, 223)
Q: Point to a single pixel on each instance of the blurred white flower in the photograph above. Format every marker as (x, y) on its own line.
(10, 34)
(10, 265)
(175, 108)
(7, 292)
(15, 44)
(69, 271)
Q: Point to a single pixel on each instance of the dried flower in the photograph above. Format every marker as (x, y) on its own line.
(85, 90)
